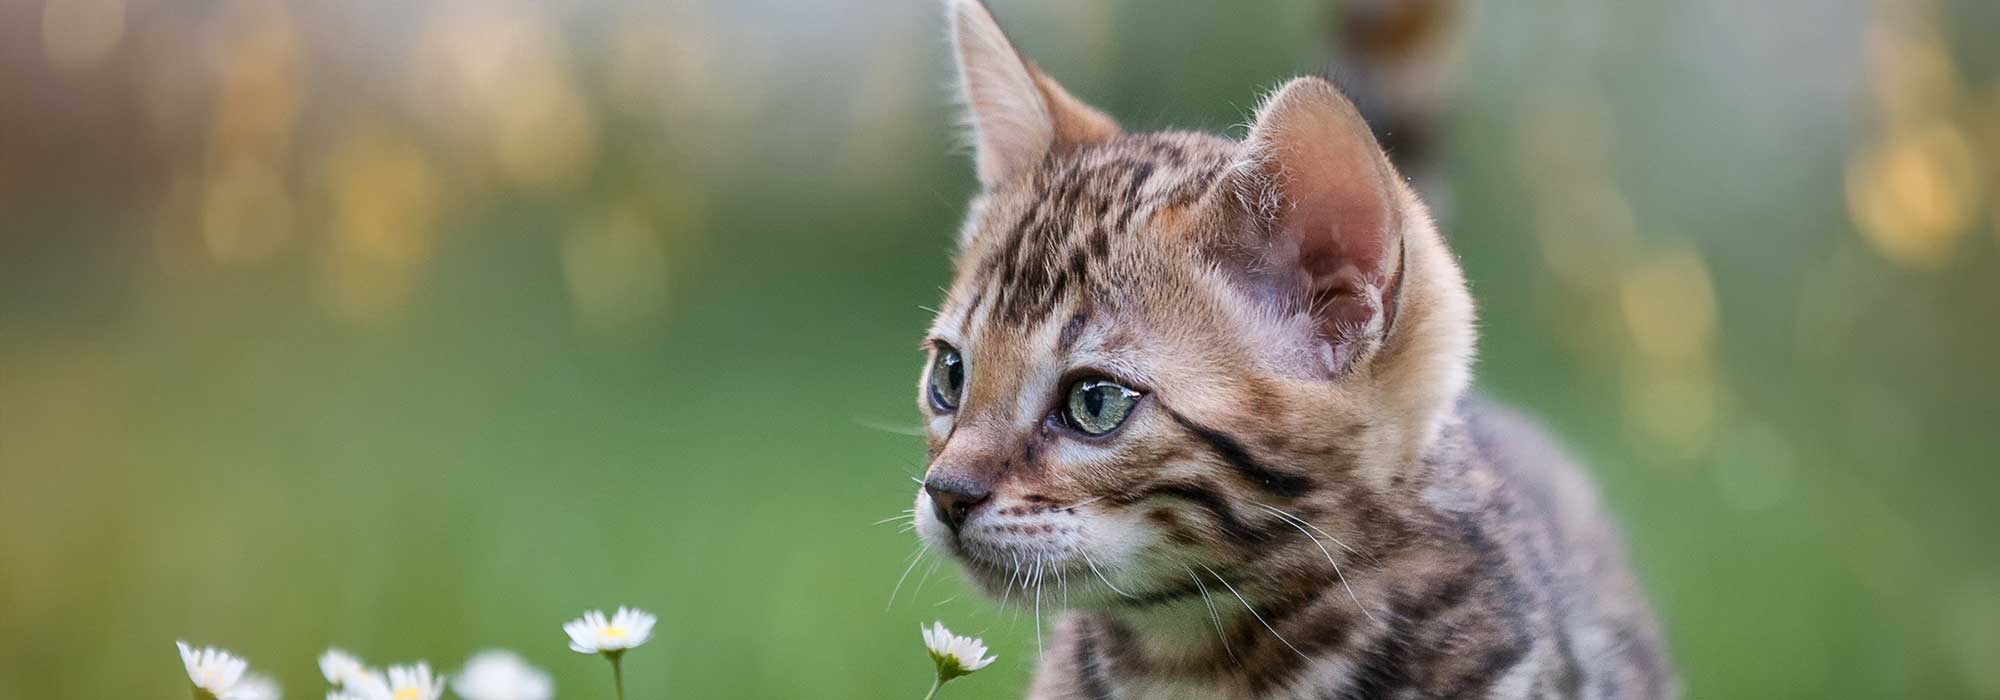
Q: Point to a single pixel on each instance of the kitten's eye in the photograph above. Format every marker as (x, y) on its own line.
(947, 378)
(1099, 406)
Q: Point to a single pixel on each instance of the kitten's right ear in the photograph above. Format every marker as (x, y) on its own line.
(1017, 115)
(1323, 199)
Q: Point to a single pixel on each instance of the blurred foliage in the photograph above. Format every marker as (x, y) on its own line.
(418, 328)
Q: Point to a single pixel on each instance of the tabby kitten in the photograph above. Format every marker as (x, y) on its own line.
(1209, 398)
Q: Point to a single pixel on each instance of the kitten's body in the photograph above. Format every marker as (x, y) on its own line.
(1296, 498)
(1499, 582)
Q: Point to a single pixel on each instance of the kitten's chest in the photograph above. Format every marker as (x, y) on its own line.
(1173, 689)
(1311, 683)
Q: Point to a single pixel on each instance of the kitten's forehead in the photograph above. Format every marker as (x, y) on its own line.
(1073, 236)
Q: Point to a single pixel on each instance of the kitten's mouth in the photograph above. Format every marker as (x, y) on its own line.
(1000, 570)
(997, 544)
(1009, 545)
(1026, 545)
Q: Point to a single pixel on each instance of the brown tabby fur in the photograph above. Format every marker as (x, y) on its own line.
(1305, 503)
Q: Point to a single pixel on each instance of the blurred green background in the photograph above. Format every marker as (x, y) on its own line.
(418, 328)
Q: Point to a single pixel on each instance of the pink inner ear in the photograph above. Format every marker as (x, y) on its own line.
(1338, 237)
(1337, 204)
(1343, 218)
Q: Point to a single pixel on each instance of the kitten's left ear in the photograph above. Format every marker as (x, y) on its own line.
(1017, 114)
(1324, 199)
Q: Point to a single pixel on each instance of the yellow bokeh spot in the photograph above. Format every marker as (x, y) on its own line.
(1582, 232)
(82, 33)
(1567, 138)
(1915, 193)
(547, 139)
(384, 196)
(1672, 408)
(261, 83)
(500, 85)
(1668, 303)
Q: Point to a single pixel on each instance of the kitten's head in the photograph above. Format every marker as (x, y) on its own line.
(1156, 343)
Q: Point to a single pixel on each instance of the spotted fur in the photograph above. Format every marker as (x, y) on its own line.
(1304, 502)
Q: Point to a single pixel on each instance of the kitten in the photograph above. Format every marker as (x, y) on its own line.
(1209, 399)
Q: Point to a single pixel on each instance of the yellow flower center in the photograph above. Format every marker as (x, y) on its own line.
(613, 632)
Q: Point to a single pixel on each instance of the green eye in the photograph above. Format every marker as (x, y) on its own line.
(947, 378)
(1099, 406)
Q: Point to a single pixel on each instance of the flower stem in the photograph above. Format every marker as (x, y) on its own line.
(935, 684)
(617, 674)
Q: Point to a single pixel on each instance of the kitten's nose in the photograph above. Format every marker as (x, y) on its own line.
(954, 497)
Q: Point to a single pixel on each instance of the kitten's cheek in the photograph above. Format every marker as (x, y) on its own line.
(1118, 539)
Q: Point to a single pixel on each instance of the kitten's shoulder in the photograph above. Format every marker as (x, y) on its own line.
(1497, 466)
(1508, 472)
(1519, 450)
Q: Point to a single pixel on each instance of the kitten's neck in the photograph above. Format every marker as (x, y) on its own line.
(1301, 603)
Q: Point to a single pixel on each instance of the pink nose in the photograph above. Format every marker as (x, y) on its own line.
(953, 498)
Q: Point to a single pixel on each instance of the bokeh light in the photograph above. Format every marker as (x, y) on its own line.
(418, 327)
(80, 34)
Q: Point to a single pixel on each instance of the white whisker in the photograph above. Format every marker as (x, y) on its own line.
(1328, 535)
(910, 514)
(887, 427)
(1062, 584)
(921, 580)
(1294, 521)
(1100, 575)
(1087, 501)
(1253, 611)
(1038, 606)
(914, 558)
(1212, 614)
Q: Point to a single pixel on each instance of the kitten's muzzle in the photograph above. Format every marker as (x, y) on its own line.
(954, 497)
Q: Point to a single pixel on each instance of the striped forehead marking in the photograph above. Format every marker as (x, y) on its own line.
(1063, 241)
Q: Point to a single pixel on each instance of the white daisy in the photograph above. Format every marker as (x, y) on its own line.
(954, 655)
(414, 683)
(254, 687)
(497, 674)
(341, 668)
(213, 672)
(594, 634)
(368, 684)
